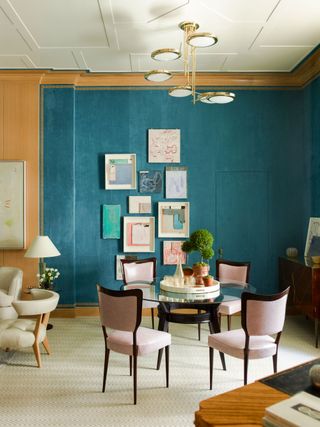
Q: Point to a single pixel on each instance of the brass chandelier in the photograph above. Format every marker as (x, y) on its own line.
(191, 42)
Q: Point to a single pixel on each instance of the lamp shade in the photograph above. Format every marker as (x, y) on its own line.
(42, 247)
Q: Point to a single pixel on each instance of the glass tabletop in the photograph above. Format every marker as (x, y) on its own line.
(229, 291)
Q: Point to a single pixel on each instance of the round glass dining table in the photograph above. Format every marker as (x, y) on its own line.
(205, 305)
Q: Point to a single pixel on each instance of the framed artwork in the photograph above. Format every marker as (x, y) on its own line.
(111, 221)
(164, 145)
(176, 182)
(120, 172)
(172, 252)
(173, 219)
(119, 265)
(12, 204)
(138, 234)
(313, 231)
(150, 182)
(140, 204)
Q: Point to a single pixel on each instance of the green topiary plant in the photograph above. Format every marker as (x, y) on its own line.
(200, 241)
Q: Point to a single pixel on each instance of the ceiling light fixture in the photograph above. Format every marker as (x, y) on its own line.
(192, 40)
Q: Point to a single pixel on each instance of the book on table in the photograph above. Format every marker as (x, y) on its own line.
(300, 410)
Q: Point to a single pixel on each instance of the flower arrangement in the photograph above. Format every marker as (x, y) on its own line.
(46, 279)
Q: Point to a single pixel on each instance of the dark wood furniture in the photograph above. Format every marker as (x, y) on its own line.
(304, 279)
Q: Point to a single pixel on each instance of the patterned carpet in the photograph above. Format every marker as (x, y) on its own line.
(67, 390)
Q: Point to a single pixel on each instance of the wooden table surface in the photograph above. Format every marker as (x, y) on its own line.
(243, 406)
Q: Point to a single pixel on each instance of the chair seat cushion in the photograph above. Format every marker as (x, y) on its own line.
(5, 299)
(233, 342)
(230, 307)
(148, 340)
(15, 334)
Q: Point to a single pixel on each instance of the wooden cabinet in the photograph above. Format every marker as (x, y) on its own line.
(304, 279)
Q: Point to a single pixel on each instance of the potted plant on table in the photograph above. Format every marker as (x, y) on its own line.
(47, 278)
(200, 241)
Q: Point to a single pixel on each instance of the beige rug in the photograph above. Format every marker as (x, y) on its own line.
(67, 390)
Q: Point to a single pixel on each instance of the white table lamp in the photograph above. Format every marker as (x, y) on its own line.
(42, 247)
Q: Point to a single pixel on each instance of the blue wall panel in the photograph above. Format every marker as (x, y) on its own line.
(263, 131)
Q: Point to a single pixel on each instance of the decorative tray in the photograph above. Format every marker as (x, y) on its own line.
(169, 287)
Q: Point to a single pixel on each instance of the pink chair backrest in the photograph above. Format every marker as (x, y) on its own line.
(265, 317)
(120, 312)
(232, 272)
(138, 271)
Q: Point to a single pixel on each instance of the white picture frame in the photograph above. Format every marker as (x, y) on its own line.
(313, 230)
(120, 172)
(12, 204)
(176, 182)
(173, 219)
(164, 145)
(140, 204)
(138, 234)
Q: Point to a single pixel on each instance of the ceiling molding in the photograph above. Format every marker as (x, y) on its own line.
(299, 78)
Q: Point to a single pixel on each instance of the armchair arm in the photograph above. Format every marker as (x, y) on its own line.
(43, 301)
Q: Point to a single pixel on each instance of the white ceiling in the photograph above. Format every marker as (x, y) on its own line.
(119, 35)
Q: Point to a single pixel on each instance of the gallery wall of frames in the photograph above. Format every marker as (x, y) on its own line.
(131, 173)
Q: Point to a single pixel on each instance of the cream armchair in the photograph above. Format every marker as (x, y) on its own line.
(22, 332)
(10, 290)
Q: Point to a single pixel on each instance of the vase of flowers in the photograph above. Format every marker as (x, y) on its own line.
(47, 278)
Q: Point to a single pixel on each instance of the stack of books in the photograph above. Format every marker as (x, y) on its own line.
(300, 410)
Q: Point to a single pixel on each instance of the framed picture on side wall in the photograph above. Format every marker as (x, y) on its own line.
(12, 204)
(173, 219)
(176, 182)
(164, 145)
(313, 231)
(120, 172)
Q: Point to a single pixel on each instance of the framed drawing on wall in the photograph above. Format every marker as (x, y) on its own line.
(12, 204)
(138, 234)
(150, 182)
(140, 204)
(173, 219)
(111, 221)
(313, 233)
(172, 252)
(164, 145)
(120, 172)
(176, 182)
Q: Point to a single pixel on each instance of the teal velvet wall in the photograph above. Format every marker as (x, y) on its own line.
(314, 96)
(248, 176)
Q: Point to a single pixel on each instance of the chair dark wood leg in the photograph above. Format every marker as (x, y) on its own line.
(275, 362)
(229, 322)
(152, 317)
(199, 331)
(163, 326)
(135, 379)
(245, 361)
(106, 363)
(160, 352)
(167, 366)
(130, 365)
(316, 331)
(211, 365)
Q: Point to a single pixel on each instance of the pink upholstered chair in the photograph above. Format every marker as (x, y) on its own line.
(262, 320)
(121, 312)
(231, 271)
(140, 270)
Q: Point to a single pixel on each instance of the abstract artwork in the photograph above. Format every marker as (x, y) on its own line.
(111, 221)
(138, 234)
(119, 265)
(172, 252)
(120, 171)
(150, 182)
(164, 145)
(176, 182)
(12, 204)
(173, 219)
(140, 204)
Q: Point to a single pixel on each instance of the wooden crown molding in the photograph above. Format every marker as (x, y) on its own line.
(299, 78)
